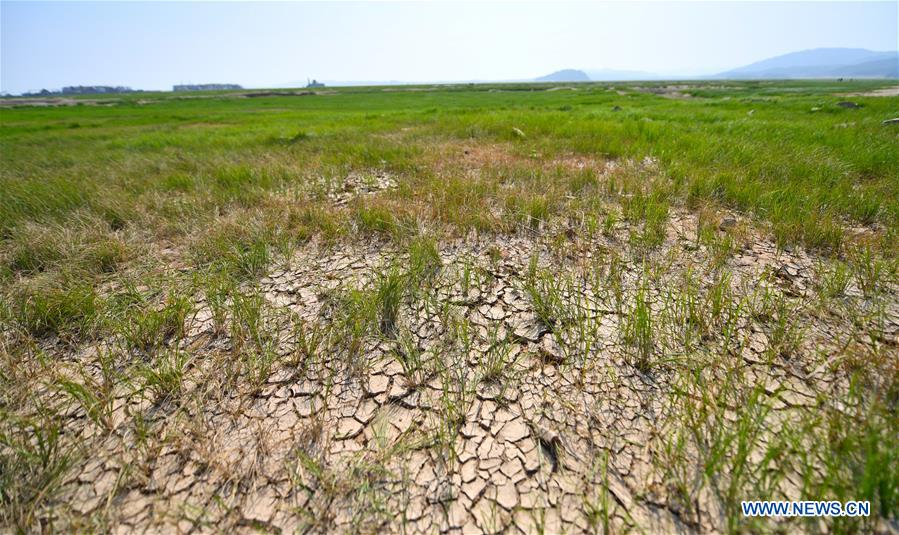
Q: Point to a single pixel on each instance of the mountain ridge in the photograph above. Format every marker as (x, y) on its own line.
(822, 63)
(810, 63)
(565, 75)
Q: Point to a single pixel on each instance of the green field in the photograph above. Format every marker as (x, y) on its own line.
(680, 295)
(783, 152)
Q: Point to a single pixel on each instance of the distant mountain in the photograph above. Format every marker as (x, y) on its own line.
(881, 68)
(566, 75)
(816, 63)
(822, 63)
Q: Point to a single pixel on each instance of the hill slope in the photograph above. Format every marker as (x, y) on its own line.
(566, 75)
(822, 63)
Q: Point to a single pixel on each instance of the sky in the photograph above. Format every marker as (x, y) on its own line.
(153, 45)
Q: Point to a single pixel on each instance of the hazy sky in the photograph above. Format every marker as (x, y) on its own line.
(154, 45)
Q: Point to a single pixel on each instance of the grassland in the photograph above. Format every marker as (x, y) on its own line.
(598, 307)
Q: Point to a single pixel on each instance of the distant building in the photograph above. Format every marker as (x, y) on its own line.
(205, 87)
(314, 83)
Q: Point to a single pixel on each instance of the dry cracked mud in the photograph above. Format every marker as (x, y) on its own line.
(509, 386)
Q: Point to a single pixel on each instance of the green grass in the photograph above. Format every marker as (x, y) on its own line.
(148, 326)
(253, 336)
(389, 291)
(544, 289)
(638, 333)
(141, 165)
(34, 462)
(164, 377)
(497, 360)
(68, 308)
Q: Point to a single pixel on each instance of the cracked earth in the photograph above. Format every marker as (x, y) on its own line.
(514, 423)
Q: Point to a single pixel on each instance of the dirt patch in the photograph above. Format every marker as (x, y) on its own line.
(668, 91)
(54, 101)
(883, 92)
(476, 158)
(416, 432)
(278, 94)
(360, 183)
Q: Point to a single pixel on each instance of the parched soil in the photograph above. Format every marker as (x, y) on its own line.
(510, 390)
